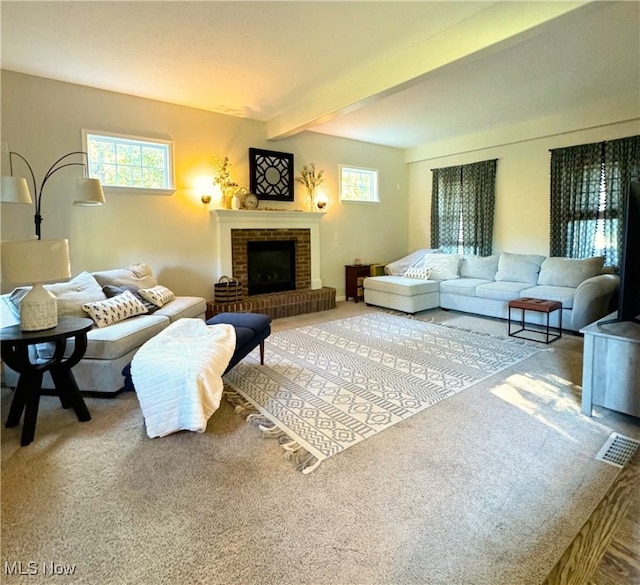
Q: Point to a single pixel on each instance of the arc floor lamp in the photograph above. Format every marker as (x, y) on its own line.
(37, 261)
(16, 189)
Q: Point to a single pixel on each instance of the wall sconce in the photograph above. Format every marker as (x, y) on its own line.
(16, 190)
(321, 200)
(206, 199)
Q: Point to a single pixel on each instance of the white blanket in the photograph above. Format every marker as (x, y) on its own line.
(178, 375)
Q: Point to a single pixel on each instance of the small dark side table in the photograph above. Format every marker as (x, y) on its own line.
(538, 306)
(14, 345)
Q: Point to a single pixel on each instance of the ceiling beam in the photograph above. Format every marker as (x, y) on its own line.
(500, 25)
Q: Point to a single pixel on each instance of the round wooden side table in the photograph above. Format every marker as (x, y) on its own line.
(14, 345)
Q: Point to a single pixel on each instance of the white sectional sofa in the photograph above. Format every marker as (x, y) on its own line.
(110, 347)
(484, 285)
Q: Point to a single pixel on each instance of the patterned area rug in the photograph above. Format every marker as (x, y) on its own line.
(326, 387)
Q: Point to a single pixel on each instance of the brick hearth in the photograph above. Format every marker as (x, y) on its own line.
(278, 305)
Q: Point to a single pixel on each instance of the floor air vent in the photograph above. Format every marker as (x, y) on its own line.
(617, 450)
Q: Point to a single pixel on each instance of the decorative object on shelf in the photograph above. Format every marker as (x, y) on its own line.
(16, 190)
(311, 179)
(222, 179)
(321, 200)
(227, 290)
(271, 174)
(250, 201)
(35, 262)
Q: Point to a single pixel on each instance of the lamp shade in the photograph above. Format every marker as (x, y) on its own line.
(29, 261)
(14, 190)
(89, 192)
(36, 261)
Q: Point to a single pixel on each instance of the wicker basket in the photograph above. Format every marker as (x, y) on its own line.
(227, 290)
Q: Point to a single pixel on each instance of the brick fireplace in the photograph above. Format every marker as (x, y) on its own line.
(235, 228)
(302, 237)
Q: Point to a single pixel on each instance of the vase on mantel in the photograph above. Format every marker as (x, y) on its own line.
(311, 200)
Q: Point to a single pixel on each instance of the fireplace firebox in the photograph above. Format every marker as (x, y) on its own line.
(271, 266)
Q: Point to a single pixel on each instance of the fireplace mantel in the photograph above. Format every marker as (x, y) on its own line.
(230, 219)
(257, 217)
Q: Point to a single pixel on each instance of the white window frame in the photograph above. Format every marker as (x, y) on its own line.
(128, 138)
(374, 196)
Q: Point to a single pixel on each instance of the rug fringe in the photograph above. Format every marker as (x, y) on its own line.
(303, 461)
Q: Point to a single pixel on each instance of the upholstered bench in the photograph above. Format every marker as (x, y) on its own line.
(178, 373)
(408, 295)
(251, 331)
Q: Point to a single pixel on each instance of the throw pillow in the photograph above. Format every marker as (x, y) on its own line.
(519, 268)
(139, 275)
(443, 266)
(70, 295)
(398, 267)
(113, 291)
(116, 309)
(484, 267)
(158, 295)
(569, 271)
(418, 272)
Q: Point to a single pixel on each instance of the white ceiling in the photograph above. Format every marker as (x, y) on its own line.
(396, 73)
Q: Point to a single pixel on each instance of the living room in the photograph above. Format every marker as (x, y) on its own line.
(43, 117)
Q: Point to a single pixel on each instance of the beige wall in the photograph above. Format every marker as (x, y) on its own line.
(521, 223)
(43, 119)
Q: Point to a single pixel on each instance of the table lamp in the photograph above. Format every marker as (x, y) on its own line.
(36, 262)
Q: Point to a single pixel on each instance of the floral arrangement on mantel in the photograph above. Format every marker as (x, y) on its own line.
(311, 180)
(222, 178)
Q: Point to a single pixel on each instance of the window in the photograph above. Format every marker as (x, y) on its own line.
(358, 184)
(588, 184)
(129, 161)
(462, 207)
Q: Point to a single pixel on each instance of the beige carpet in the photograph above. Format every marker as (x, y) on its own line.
(486, 487)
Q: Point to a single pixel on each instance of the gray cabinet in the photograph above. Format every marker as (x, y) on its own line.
(611, 366)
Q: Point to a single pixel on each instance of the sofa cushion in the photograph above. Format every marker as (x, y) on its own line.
(519, 268)
(115, 309)
(139, 275)
(443, 266)
(70, 295)
(564, 294)
(110, 343)
(501, 291)
(158, 295)
(569, 272)
(462, 286)
(400, 285)
(484, 267)
(183, 307)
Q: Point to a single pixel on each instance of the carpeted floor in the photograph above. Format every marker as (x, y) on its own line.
(487, 487)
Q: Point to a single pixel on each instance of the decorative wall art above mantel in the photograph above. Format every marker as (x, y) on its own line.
(271, 174)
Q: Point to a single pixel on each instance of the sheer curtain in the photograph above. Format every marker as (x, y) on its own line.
(588, 185)
(462, 208)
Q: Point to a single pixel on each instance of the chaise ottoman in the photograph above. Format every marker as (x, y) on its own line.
(409, 295)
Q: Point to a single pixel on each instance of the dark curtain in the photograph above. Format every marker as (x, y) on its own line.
(462, 208)
(446, 207)
(588, 185)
